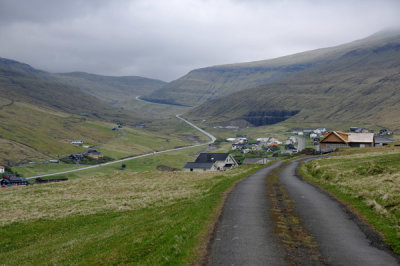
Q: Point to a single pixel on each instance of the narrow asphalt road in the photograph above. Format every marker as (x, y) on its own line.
(244, 233)
(340, 239)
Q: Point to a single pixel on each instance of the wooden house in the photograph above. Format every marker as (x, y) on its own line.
(337, 139)
(94, 154)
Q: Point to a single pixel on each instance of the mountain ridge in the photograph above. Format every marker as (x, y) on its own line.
(361, 85)
(203, 84)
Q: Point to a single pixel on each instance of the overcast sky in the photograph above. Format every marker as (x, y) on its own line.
(165, 39)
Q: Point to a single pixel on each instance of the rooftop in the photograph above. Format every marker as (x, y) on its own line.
(361, 137)
(211, 157)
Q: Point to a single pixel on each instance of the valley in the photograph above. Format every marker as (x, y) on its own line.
(122, 144)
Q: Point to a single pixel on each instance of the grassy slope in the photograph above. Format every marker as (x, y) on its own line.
(368, 181)
(38, 117)
(153, 110)
(204, 84)
(116, 217)
(39, 133)
(21, 83)
(359, 87)
(116, 90)
(158, 136)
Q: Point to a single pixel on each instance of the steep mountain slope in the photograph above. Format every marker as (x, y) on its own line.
(113, 90)
(22, 83)
(361, 85)
(204, 84)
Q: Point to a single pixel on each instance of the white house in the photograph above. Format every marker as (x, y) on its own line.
(211, 162)
(320, 130)
(77, 141)
(1, 169)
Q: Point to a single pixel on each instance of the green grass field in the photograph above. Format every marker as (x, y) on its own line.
(110, 216)
(368, 181)
(139, 141)
(31, 133)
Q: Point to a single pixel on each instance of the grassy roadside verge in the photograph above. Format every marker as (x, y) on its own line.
(368, 183)
(155, 218)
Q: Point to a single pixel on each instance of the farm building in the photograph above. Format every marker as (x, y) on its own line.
(381, 141)
(211, 162)
(337, 139)
(94, 154)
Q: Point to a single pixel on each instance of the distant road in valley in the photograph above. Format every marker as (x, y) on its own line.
(138, 98)
(138, 156)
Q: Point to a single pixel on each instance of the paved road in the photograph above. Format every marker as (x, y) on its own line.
(138, 156)
(341, 240)
(244, 233)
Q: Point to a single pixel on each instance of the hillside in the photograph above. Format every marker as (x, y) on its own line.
(117, 91)
(209, 83)
(39, 118)
(362, 85)
(21, 83)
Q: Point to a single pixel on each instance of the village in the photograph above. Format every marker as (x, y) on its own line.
(308, 141)
(242, 150)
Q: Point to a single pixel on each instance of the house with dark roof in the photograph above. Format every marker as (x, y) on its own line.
(211, 162)
(337, 139)
(381, 141)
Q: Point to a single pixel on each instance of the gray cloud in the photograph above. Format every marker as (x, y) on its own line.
(166, 39)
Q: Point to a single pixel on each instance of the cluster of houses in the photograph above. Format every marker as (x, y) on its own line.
(242, 144)
(91, 153)
(311, 132)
